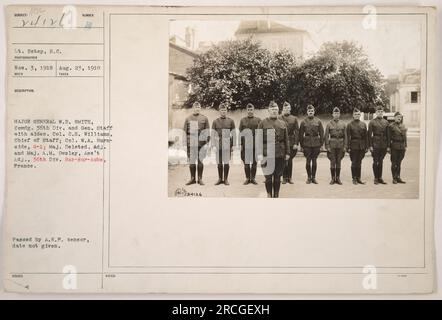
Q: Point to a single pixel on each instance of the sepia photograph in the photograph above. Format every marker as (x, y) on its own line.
(295, 108)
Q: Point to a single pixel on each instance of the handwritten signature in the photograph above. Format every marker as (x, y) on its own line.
(181, 192)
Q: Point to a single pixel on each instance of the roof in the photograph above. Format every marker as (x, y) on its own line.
(263, 26)
(184, 50)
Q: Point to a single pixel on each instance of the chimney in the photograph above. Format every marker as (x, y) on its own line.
(190, 38)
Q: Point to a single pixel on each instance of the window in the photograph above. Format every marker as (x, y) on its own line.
(414, 97)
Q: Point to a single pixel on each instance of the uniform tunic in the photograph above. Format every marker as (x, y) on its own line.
(223, 142)
(280, 145)
(311, 133)
(397, 138)
(378, 140)
(248, 143)
(335, 142)
(357, 141)
(292, 129)
(200, 123)
(281, 142)
(377, 133)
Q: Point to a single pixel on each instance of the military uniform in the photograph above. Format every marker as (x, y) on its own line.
(274, 151)
(196, 140)
(335, 143)
(311, 138)
(293, 133)
(397, 138)
(357, 144)
(377, 139)
(223, 137)
(248, 150)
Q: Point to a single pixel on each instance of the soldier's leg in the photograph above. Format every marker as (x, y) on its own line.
(393, 158)
(399, 165)
(339, 156)
(375, 155)
(315, 155)
(361, 155)
(253, 172)
(192, 167)
(226, 166)
(331, 157)
(353, 164)
(201, 156)
(292, 156)
(220, 166)
(247, 172)
(279, 168)
(246, 165)
(382, 154)
(308, 168)
(269, 185)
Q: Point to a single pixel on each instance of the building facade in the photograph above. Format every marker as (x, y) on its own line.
(405, 96)
(272, 35)
(180, 59)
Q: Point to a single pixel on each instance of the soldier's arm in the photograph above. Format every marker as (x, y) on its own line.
(301, 134)
(369, 134)
(321, 132)
(259, 139)
(207, 127)
(233, 134)
(213, 132)
(296, 132)
(327, 132)
(348, 136)
(241, 125)
(186, 123)
(366, 137)
(389, 136)
(345, 136)
(287, 142)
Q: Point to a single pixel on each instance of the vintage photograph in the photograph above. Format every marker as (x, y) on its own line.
(295, 108)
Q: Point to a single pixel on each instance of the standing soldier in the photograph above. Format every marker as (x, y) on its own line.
(357, 145)
(223, 131)
(196, 129)
(311, 137)
(247, 128)
(397, 139)
(378, 143)
(293, 132)
(335, 143)
(273, 146)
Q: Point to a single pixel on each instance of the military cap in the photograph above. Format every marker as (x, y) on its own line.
(273, 104)
(356, 110)
(196, 104)
(286, 104)
(310, 107)
(222, 106)
(336, 109)
(379, 108)
(397, 113)
(249, 105)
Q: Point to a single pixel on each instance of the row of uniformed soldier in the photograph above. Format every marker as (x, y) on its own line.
(380, 138)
